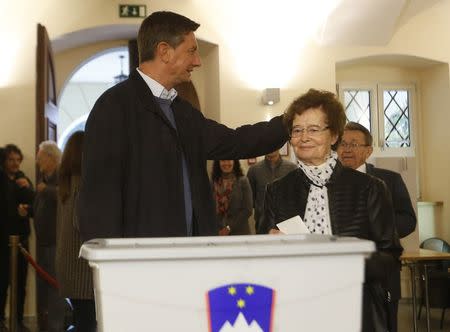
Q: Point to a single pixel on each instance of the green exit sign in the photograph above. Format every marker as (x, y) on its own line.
(132, 10)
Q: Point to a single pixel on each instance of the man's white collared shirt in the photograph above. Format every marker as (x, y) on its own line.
(157, 89)
(362, 168)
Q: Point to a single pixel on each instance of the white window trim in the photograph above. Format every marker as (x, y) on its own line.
(397, 152)
(377, 115)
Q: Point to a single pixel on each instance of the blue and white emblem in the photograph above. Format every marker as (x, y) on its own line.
(241, 307)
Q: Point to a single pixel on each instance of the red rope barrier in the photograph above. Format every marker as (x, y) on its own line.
(40, 271)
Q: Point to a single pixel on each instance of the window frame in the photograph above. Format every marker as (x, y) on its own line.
(377, 115)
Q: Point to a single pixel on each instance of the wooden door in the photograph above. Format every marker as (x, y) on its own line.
(46, 104)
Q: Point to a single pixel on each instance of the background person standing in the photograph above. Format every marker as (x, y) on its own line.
(18, 191)
(50, 306)
(72, 272)
(353, 151)
(233, 197)
(263, 172)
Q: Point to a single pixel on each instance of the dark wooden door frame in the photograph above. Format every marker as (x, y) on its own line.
(46, 99)
(46, 117)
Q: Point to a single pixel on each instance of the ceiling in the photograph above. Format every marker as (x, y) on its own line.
(351, 23)
(369, 22)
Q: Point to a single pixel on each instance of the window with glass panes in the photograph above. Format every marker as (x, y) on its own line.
(396, 118)
(384, 110)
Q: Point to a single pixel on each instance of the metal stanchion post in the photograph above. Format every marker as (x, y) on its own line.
(412, 268)
(14, 250)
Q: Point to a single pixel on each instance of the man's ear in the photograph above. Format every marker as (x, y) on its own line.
(163, 52)
(369, 151)
(334, 138)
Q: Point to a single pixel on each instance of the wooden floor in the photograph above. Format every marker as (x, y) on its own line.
(405, 320)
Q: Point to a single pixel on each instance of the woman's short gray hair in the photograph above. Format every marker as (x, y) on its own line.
(51, 149)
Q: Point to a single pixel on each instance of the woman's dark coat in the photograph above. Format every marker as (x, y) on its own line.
(359, 206)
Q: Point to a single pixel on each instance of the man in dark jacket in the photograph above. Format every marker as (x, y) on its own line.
(50, 306)
(15, 189)
(144, 161)
(353, 151)
(263, 172)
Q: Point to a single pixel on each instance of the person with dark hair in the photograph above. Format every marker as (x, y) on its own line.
(332, 199)
(126, 190)
(73, 273)
(233, 197)
(2, 157)
(18, 192)
(353, 151)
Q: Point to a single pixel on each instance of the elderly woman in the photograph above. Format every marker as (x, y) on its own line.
(333, 199)
(233, 197)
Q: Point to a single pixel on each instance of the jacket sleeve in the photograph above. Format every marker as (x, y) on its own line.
(26, 194)
(382, 231)
(267, 221)
(245, 207)
(405, 217)
(248, 141)
(252, 180)
(100, 200)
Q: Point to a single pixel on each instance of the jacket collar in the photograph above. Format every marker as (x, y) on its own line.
(51, 179)
(157, 88)
(147, 98)
(143, 91)
(277, 164)
(369, 168)
(336, 173)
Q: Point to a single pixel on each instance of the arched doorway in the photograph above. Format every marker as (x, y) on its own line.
(77, 48)
(87, 83)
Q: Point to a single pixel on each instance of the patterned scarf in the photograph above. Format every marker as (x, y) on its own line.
(317, 215)
(222, 193)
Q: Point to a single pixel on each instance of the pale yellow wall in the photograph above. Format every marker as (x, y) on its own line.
(376, 74)
(208, 86)
(435, 137)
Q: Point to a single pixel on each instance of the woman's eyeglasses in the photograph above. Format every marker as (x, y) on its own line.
(312, 131)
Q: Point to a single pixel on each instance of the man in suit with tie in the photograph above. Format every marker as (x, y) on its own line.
(353, 151)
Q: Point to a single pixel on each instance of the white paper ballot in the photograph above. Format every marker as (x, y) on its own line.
(294, 225)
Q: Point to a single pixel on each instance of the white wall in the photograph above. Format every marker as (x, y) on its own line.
(435, 180)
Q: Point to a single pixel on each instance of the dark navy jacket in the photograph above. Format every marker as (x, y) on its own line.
(132, 182)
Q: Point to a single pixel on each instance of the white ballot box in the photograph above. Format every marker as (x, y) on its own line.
(252, 283)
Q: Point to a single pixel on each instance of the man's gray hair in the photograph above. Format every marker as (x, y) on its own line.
(51, 149)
